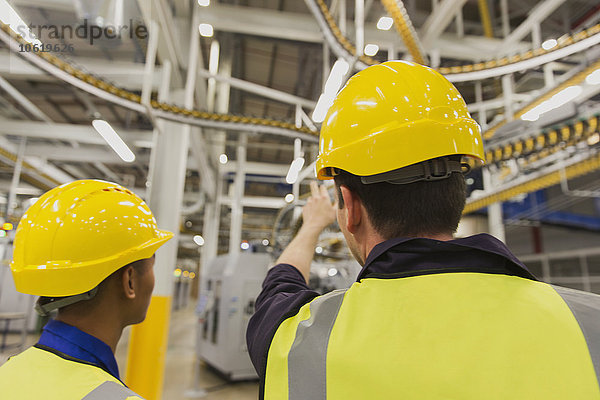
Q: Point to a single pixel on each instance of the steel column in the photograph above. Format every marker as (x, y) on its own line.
(507, 92)
(150, 61)
(296, 185)
(536, 36)
(359, 26)
(326, 66)
(549, 80)
(505, 18)
(237, 209)
(481, 112)
(460, 24)
(148, 340)
(495, 221)
(342, 19)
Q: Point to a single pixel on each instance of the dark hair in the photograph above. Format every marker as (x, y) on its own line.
(409, 210)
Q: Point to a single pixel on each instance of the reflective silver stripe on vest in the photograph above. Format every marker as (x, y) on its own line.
(110, 391)
(586, 309)
(308, 354)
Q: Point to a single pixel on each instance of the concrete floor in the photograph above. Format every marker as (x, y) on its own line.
(180, 369)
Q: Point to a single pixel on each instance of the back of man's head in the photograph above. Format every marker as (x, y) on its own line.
(399, 136)
(409, 210)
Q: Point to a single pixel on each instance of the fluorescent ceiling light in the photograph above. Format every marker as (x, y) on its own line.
(322, 107)
(113, 140)
(199, 240)
(332, 85)
(245, 245)
(549, 44)
(371, 49)
(204, 3)
(223, 159)
(385, 23)
(9, 16)
(559, 99)
(206, 30)
(295, 167)
(593, 78)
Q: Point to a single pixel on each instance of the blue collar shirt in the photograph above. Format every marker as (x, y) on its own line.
(70, 341)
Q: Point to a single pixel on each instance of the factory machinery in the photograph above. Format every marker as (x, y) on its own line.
(232, 282)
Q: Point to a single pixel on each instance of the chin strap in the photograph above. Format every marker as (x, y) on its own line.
(44, 305)
(430, 170)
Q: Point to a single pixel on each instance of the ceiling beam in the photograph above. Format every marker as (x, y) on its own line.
(98, 154)
(70, 132)
(58, 5)
(257, 168)
(438, 20)
(303, 27)
(126, 75)
(540, 12)
(39, 164)
(257, 201)
(169, 45)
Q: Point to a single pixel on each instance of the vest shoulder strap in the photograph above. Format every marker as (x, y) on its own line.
(113, 391)
(586, 309)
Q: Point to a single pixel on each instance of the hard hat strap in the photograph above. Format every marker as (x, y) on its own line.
(44, 305)
(430, 170)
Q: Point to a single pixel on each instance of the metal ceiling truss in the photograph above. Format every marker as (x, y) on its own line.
(97, 87)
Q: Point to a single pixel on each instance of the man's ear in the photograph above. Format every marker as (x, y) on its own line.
(127, 281)
(353, 207)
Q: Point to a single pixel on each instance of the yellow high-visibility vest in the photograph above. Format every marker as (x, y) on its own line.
(39, 374)
(451, 336)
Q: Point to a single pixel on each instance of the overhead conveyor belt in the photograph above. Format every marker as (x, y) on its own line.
(567, 45)
(543, 143)
(577, 166)
(575, 80)
(404, 26)
(109, 92)
(30, 173)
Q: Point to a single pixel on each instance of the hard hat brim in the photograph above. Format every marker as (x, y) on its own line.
(396, 147)
(60, 277)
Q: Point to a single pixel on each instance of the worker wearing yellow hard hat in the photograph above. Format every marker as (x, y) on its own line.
(87, 249)
(429, 316)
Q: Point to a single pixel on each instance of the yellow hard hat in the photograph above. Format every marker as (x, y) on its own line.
(78, 234)
(393, 115)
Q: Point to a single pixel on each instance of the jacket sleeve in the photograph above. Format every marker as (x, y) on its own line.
(284, 292)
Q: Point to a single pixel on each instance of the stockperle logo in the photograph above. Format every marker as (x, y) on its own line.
(87, 30)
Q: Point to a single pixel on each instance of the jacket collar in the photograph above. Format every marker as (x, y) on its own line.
(414, 255)
(75, 343)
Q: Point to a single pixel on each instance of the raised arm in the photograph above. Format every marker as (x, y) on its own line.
(317, 214)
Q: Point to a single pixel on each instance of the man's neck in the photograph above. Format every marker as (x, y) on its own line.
(100, 327)
(373, 239)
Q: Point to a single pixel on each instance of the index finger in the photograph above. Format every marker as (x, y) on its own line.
(324, 191)
(314, 188)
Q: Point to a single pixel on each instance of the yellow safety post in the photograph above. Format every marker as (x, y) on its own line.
(148, 348)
